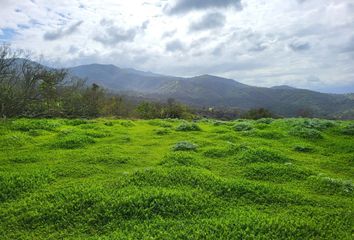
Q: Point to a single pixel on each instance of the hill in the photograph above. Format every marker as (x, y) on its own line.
(172, 179)
(212, 91)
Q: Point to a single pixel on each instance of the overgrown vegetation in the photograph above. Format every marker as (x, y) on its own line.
(174, 179)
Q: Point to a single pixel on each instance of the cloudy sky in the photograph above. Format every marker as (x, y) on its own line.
(302, 43)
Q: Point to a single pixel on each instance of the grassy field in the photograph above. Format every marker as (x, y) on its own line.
(171, 179)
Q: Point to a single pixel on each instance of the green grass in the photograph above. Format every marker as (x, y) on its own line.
(172, 179)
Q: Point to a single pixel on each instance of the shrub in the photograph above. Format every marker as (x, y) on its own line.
(242, 127)
(263, 155)
(185, 146)
(185, 127)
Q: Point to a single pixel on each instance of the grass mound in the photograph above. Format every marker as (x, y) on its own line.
(263, 155)
(276, 172)
(219, 187)
(98, 179)
(72, 141)
(95, 207)
(179, 159)
(217, 152)
(331, 186)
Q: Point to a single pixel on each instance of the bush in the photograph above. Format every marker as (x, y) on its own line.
(185, 127)
(242, 127)
(263, 155)
(184, 146)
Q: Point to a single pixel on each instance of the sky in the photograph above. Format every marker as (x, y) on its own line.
(301, 43)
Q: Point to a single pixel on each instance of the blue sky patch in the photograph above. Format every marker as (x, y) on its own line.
(7, 33)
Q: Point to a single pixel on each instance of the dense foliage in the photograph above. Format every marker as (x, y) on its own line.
(174, 179)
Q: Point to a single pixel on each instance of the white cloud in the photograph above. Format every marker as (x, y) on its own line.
(259, 42)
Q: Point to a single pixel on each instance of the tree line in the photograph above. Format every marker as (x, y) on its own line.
(29, 89)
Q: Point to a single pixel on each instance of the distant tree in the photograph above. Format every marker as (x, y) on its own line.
(94, 99)
(148, 110)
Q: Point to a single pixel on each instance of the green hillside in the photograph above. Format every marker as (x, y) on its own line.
(171, 179)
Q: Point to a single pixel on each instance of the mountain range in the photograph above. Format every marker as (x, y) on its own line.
(212, 91)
